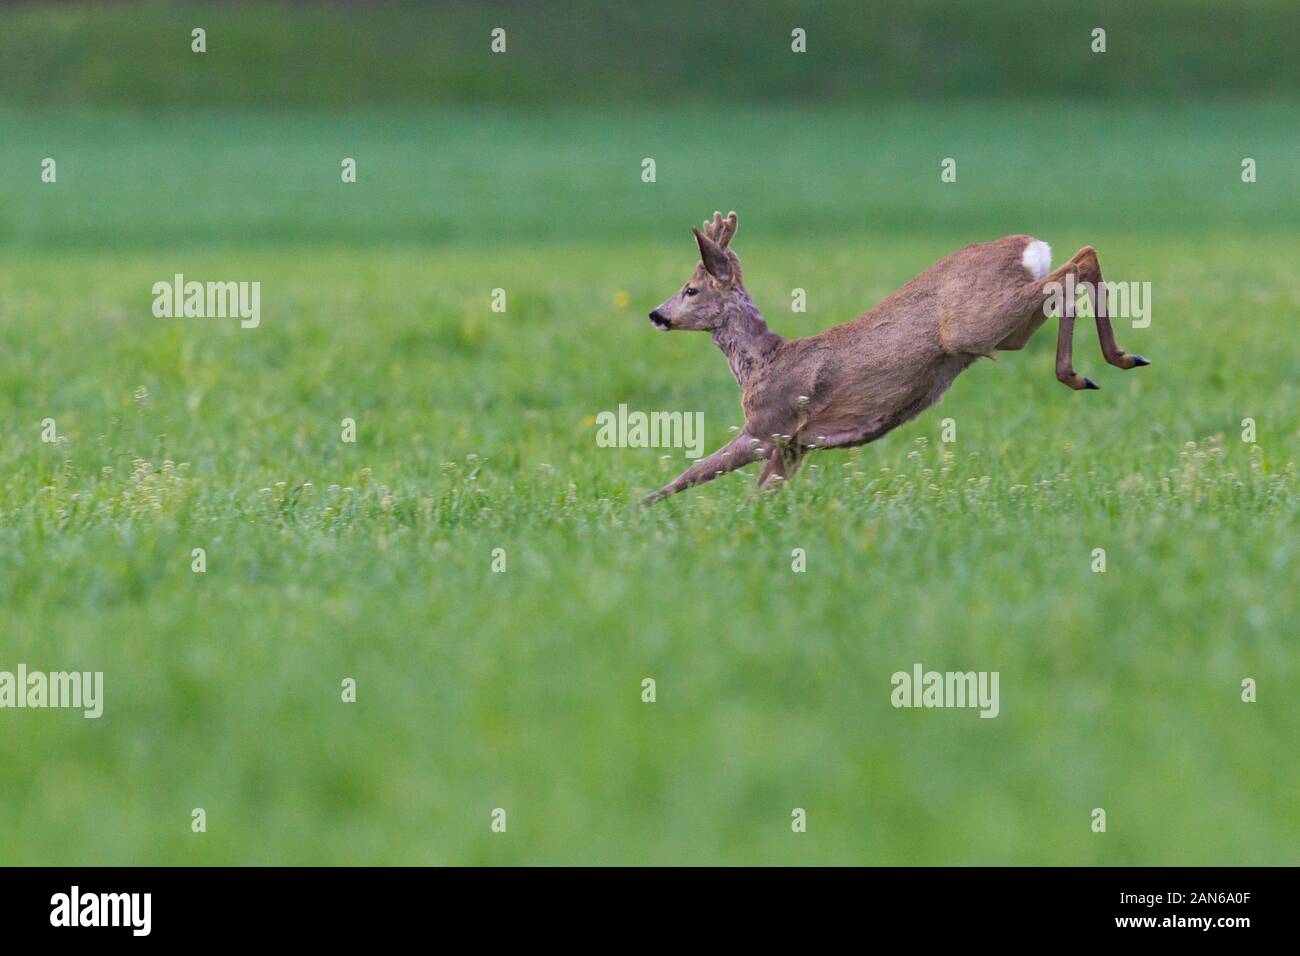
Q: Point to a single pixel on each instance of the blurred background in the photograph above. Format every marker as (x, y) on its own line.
(541, 142)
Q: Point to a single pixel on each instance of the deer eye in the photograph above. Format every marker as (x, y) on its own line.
(689, 291)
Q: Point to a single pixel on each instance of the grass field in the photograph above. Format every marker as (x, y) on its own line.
(475, 431)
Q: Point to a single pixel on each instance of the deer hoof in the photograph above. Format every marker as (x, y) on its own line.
(1139, 361)
(1089, 383)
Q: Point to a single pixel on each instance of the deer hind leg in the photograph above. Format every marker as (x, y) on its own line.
(1090, 274)
(1086, 270)
(1056, 281)
(1024, 332)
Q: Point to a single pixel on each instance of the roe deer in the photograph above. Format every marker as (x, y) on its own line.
(855, 382)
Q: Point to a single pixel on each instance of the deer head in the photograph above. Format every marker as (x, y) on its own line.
(704, 302)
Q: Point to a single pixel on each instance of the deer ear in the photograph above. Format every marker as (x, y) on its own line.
(716, 262)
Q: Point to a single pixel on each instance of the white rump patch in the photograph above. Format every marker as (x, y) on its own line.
(1037, 258)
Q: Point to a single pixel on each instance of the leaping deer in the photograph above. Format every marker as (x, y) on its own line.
(858, 381)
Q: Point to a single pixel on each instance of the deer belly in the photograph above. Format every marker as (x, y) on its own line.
(874, 405)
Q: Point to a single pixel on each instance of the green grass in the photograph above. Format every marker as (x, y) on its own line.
(522, 690)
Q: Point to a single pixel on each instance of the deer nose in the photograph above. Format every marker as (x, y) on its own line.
(657, 318)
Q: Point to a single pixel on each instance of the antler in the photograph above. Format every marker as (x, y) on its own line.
(720, 230)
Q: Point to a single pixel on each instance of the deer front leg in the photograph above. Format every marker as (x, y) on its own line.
(740, 451)
(1095, 286)
(782, 463)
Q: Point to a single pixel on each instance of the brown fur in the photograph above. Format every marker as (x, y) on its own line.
(855, 382)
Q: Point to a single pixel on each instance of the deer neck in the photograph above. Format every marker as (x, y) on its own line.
(745, 339)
